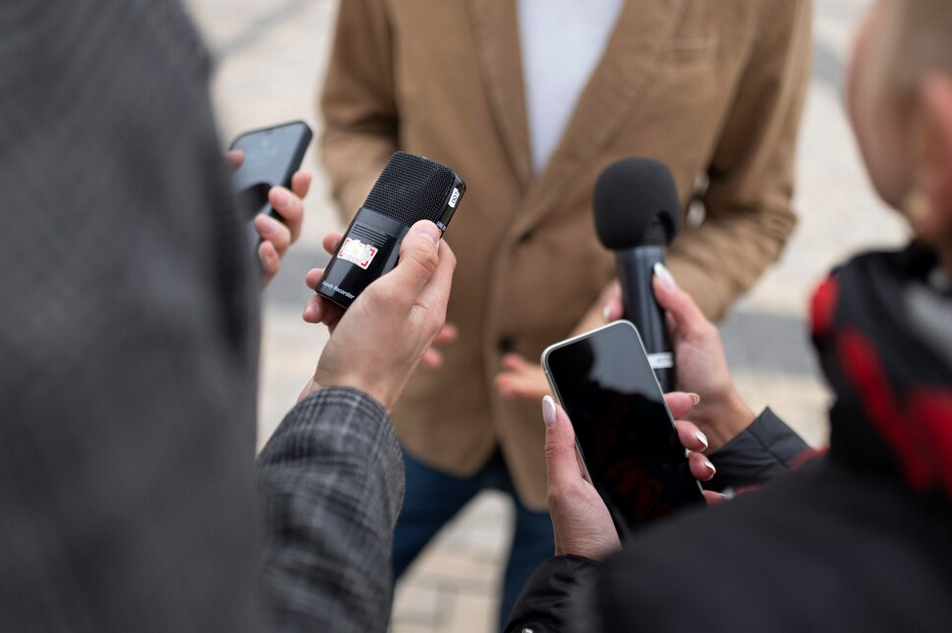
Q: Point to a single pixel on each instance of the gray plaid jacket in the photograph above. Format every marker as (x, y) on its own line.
(129, 496)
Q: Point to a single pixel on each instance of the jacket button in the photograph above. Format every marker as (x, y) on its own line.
(506, 344)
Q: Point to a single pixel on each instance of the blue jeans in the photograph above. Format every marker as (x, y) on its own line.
(433, 498)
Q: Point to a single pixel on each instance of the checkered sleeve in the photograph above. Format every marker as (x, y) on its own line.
(333, 483)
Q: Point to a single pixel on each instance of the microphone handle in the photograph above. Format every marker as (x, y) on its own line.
(635, 272)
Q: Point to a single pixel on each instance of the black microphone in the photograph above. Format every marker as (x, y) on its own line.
(409, 189)
(636, 214)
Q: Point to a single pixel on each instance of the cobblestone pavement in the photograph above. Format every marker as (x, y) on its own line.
(271, 56)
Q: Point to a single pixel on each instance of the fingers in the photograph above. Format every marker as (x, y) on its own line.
(331, 242)
(448, 334)
(274, 232)
(235, 158)
(701, 467)
(313, 277)
(432, 358)
(418, 262)
(435, 294)
(514, 362)
(291, 209)
(560, 460)
(269, 259)
(685, 313)
(713, 498)
(301, 183)
(679, 403)
(521, 379)
(614, 309)
(320, 310)
(691, 437)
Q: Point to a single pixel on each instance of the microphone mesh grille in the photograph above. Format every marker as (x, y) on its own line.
(411, 188)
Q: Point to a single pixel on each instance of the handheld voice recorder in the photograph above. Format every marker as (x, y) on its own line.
(410, 188)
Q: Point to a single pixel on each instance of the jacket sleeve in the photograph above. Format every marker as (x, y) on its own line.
(332, 478)
(748, 201)
(358, 104)
(765, 449)
(547, 603)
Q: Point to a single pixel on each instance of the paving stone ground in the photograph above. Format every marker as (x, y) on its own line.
(271, 56)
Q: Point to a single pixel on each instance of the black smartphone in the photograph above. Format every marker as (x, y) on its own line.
(624, 431)
(272, 155)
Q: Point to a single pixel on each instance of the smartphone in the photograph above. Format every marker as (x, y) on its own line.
(624, 431)
(272, 155)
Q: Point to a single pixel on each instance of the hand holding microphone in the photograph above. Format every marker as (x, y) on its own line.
(637, 214)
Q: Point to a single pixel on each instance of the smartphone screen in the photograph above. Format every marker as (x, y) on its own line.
(624, 431)
(272, 155)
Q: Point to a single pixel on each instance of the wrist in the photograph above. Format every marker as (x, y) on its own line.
(310, 388)
(379, 391)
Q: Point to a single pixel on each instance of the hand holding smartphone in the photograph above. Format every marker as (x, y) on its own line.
(624, 431)
(272, 155)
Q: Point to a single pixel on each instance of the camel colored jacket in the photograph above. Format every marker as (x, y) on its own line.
(713, 88)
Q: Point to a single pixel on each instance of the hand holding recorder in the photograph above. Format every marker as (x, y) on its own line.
(376, 345)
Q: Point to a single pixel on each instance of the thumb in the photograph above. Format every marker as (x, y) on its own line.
(688, 318)
(419, 259)
(560, 456)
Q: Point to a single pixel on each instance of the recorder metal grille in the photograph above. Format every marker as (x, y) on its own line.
(411, 188)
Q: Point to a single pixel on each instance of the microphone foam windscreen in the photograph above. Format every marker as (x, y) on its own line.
(411, 188)
(636, 204)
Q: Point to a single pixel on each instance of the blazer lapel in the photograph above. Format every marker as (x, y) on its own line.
(616, 86)
(496, 34)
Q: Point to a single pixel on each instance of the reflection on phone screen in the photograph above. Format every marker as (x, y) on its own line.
(623, 428)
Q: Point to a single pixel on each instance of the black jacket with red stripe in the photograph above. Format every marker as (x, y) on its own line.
(829, 547)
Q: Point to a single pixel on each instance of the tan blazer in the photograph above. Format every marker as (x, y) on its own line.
(713, 88)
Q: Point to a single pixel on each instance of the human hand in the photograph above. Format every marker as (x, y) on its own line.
(581, 521)
(376, 345)
(520, 379)
(277, 236)
(433, 357)
(700, 362)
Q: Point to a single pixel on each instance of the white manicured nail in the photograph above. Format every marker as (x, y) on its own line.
(665, 276)
(548, 411)
(702, 439)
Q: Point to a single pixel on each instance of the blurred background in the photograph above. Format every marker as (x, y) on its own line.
(270, 62)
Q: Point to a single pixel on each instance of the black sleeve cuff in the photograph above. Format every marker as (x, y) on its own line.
(545, 603)
(765, 449)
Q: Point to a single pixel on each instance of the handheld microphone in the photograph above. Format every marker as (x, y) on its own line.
(410, 188)
(636, 214)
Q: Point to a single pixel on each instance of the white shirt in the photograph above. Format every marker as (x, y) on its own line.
(562, 42)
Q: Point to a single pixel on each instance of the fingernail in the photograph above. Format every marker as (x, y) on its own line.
(667, 279)
(606, 312)
(429, 231)
(281, 198)
(548, 411)
(702, 439)
(696, 399)
(708, 463)
(268, 228)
